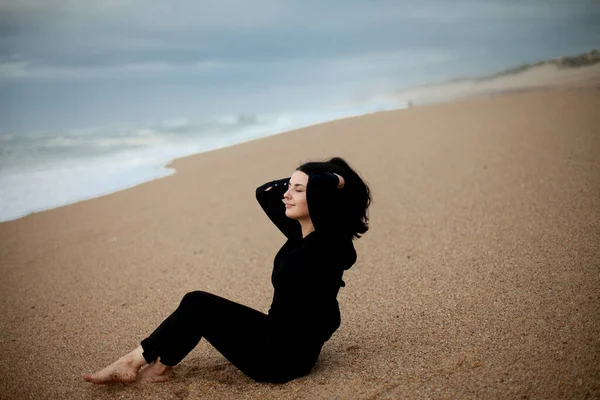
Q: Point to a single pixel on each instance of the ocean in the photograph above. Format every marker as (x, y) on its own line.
(44, 170)
(51, 169)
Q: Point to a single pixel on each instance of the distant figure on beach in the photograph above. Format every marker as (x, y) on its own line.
(321, 208)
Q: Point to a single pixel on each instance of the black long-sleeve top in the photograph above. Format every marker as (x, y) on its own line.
(307, 272)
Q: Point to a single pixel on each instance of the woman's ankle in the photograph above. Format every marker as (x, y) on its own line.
(136, 358)
(160, 368)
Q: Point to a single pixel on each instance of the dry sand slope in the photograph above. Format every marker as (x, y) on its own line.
(479, 278)
(538, 77)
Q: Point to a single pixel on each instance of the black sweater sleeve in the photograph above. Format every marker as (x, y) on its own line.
(325, 202)
(271, 202)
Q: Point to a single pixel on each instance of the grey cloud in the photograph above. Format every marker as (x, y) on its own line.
(78, 62)
(112, 32)
(109, 32)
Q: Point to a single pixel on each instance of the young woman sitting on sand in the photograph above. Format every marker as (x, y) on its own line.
(321, 208)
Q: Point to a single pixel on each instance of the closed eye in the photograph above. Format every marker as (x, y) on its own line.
(296, 186)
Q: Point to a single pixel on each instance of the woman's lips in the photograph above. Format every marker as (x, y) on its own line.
(288, 205)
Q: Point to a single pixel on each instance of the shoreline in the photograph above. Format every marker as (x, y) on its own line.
(592, 79)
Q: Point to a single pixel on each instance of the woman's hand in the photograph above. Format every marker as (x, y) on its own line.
(342, 182)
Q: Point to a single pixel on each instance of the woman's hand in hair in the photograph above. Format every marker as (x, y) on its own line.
(341, 179)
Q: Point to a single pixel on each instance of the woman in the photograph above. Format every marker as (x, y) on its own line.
(320, 209)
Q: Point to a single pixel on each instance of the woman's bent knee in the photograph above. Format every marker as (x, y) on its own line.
(194, 298)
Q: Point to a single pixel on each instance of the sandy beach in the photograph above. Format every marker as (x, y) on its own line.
(479, 277)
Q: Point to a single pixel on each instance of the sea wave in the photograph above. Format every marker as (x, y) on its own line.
(51, 169)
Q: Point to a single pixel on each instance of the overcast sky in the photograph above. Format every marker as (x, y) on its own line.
(75, 63)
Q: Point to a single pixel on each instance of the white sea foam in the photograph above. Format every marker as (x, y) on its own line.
(44, 171)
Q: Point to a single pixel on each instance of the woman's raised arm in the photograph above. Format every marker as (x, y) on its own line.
(269, 197)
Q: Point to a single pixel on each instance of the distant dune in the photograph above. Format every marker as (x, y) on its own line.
(579, 70)
(592, 57)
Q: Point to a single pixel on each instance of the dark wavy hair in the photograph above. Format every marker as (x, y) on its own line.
(357, 195)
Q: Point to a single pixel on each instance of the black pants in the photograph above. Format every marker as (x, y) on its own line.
(256, 344)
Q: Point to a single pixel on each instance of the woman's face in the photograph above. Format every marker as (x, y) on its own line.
(295, 197)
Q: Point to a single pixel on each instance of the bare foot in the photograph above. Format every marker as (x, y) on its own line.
(155, 372)
(125, 369)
